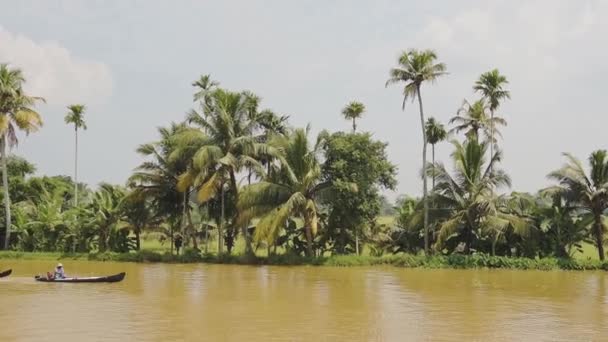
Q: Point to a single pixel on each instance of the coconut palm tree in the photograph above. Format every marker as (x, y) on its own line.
(291, 192)
(204, 86)
(75, 116)
(588, 192)
(491, 86)
(353, 111)
(472, 118)
(16, 113)
(156, 179)
(435, 133)
(226, 146)
(468, 198)
(414, 68)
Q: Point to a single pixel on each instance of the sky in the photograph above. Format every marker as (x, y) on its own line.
(132, 63)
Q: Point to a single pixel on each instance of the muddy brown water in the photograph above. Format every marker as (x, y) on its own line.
(162, 302)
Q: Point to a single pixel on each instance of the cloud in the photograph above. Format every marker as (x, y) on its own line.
(53, 72)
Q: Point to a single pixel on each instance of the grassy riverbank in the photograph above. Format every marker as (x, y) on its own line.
(402, 260)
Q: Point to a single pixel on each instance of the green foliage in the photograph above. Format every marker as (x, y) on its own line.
(357, 168)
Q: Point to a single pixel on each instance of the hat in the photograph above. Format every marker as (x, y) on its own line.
(59, 265)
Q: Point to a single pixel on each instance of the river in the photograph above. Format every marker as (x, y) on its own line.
(161, 302)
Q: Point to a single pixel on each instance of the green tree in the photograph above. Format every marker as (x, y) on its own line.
(16, 113)
(588, 192)
(473, 118)
(414, 68)
(435, 133)
(353, 111)
(75, 116)
(491, 85)
(156, 179)
(291, 192)
(468, 198)
(357, 168)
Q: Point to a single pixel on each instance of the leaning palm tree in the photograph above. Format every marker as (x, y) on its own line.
(291, 192)
(416, 67)
(472, 118)
(16, 113)
(75, 116)
(353, 111)
(589, 193)
(468, 198)
(435, 133)
(491, 86)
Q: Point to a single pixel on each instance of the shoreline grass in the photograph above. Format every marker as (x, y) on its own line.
(400, 260)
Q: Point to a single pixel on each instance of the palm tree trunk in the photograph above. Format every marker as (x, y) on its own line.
(308, 231)
(76, 166)
(220, 227)
(7, 199)
(138, 238)
(599, 237)
(433, 152)
(354, 126)
(424, 180)
(248, 248)
(356, 241)
(491, 137)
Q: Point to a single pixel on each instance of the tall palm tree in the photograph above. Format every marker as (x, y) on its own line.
(414, 68)
(292, 192)
(226, 146)
(435, 133)
(16, 113)
(468, 198)
(204, 86)
(472, 118)
(491, 86)
(75, 116)
(589, 192)
(353, 111)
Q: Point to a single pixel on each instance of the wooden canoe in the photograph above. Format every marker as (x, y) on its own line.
(106, 279)
(5, 273)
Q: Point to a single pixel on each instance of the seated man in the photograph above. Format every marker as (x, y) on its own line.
(59, 272)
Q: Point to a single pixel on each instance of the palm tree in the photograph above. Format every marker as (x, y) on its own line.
(292, 192)
(353, 111)
(106, 211)
(589, 193)
(435, 133)
(156, 179)
(226, 146)
(491, 86)
(204, 86)
(472, 119)
(16, 112)
(468, 198)
(75, 116)
(416, 67)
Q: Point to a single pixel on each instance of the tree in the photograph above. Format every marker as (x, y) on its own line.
(589, 193)
(357, 168)
(353, 111)
(156, 179)
(223, 134)
(491, 86)
(75, 116)
(435, 133)
(414, 68)
(468, 199)
(472, 119)
(291, 192)
(16, 113)
(106, 213)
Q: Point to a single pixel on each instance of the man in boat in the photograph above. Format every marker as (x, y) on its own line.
(58, 274)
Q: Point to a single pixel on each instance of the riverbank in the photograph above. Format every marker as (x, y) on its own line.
(401, 260)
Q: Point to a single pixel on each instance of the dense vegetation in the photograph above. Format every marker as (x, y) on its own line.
(234, 178)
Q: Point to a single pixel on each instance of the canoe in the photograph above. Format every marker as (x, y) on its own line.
(5, 273)
(107, 279)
